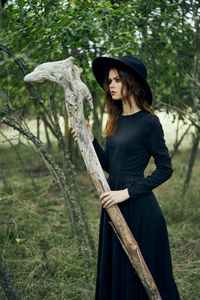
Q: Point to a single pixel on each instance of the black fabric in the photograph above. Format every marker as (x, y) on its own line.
(138, 137)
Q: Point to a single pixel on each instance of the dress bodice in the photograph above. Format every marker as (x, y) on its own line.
(127, 153)
(138, 137)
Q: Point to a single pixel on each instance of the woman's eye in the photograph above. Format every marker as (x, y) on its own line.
(117, 79)
(109, 82)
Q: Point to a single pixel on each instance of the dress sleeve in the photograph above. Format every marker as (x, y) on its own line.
(155, 144)
(102, 155)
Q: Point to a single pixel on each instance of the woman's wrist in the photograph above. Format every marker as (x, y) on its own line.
(126, 193)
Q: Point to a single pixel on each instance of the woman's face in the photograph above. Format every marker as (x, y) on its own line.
(115, 85)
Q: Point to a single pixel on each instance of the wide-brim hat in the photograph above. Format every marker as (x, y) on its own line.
(131, 65)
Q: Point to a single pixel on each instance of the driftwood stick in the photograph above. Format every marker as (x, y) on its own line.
(67, 75)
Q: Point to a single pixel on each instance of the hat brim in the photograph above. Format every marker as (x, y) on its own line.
(101, 65)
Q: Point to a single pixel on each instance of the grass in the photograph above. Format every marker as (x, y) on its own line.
(39, 250)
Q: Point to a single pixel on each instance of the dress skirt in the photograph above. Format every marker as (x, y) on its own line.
(116, 278)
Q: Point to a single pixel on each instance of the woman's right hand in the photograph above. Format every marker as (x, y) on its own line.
(75, 135)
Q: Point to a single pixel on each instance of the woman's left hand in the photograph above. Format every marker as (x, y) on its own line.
(113, 197)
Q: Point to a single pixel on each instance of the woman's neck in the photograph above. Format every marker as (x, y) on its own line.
(126, 108)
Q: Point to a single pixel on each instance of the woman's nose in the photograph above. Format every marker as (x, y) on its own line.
(112, 84)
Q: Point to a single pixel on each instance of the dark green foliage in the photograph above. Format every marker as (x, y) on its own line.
(162, 33)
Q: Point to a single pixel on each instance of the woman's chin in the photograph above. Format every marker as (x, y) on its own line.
(116, 98)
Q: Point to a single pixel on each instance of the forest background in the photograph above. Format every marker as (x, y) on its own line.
(49, 208)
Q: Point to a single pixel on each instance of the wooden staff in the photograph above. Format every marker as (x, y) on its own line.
(67, 75)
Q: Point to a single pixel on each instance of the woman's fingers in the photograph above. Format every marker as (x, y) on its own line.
(111, 204)
(75, 135)
(103, 195)
(106, 200)
(108, 203)
(73, 132)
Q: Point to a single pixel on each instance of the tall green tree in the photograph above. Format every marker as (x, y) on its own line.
(162, 33)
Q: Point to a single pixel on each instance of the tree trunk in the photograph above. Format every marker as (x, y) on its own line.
(38, 127)
(7, 187)
(0, 15)
(47, 134)
(6, 284)
(178, 142)
(191, 163)
(66, 127)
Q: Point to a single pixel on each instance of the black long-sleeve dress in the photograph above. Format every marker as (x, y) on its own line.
(138, 137)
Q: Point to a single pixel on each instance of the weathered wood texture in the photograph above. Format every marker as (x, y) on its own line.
(67, 75)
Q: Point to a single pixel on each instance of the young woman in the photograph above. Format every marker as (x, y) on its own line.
(133, 134)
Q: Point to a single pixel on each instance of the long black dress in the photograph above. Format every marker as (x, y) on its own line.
(138, 137)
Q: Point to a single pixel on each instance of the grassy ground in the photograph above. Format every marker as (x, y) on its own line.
(39, 250)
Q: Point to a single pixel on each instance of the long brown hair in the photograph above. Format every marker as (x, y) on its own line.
(132, 87)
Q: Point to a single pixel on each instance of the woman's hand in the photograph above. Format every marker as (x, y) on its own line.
(75, 135)
(113, 197)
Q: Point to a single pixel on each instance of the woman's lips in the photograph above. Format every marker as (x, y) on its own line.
(112, 92)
